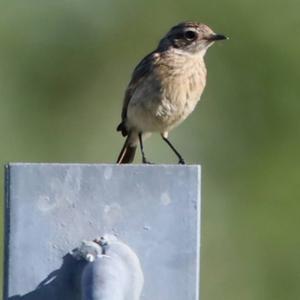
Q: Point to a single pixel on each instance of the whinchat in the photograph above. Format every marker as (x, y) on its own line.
(165, 87)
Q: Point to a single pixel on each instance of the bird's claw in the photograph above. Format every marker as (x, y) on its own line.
(145, 161)
(181, 161)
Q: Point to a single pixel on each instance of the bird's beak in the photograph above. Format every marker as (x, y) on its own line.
(216, 37)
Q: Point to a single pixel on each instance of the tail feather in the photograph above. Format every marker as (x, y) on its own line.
(127, 153)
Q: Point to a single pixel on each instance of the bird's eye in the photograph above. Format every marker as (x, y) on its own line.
(190, 35)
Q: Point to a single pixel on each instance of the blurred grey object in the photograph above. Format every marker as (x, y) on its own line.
(51, 208)
(115, 273)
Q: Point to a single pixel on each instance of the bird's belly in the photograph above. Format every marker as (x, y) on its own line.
(171, 113)
(160, 115)
(161, 106)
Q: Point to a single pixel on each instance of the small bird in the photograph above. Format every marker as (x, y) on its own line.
(165, 87)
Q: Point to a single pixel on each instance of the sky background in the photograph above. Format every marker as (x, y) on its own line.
(64, 66)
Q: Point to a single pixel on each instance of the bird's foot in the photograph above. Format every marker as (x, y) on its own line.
(181, 161)
(145, 161)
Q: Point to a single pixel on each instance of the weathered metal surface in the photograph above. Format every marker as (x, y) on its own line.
(50, 208)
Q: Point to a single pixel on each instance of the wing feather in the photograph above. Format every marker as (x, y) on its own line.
(141, 71)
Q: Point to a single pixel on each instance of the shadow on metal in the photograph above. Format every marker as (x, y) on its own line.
(60, 284)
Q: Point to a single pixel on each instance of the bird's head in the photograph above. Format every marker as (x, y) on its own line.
(191, 37)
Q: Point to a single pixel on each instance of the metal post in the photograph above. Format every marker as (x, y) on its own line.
(51, 208)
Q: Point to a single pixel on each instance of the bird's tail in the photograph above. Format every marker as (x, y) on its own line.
(127, 153)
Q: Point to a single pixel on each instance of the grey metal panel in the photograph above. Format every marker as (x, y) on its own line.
(50, 208)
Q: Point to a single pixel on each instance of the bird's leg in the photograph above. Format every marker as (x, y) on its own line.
(144, 160)
(181, 160)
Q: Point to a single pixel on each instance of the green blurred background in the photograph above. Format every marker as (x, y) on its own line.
(64, 66)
